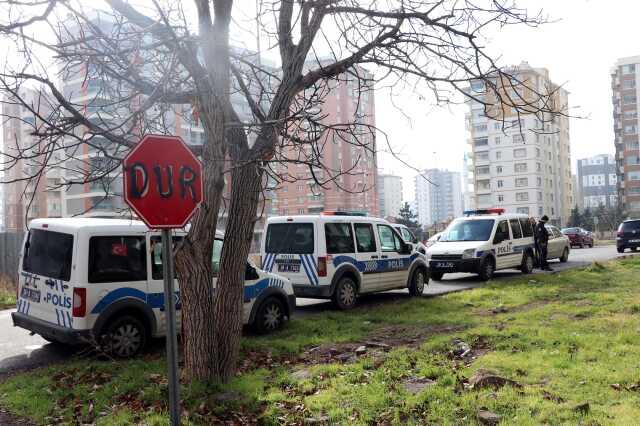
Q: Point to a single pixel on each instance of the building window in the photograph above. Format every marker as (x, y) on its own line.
(500, 184)
(630, 130)
(520, 167)
(500, 198)
(484, 170)
(633, 159)
(484, 199)
(539, 196)
(498, 155)
(520, 153)
(499, 169)
(524, 210)
(629, 99)
(629, 69)
(482, 155)
(633, 176)
(518, 139)
(538, 152)
(522, 196)
(520, 182)
(497, 140)
(628, 84)
(480, 128)
(497, 126)
(481, 141)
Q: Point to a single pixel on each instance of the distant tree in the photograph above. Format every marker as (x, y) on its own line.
(407, 217)
(609, 217)
(587, 220)
(576, 218)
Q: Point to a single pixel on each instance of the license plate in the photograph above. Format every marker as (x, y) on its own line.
(634, 241)
(288, 267)
(30, 294)
(444, 265)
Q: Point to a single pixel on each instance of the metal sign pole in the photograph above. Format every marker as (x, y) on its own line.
(170, 318)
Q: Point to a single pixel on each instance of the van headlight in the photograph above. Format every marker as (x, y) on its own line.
(468, 253)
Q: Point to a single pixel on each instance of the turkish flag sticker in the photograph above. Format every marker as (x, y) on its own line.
(118, 249)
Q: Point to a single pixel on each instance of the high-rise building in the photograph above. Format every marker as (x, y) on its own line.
(438, 196)
(596, 181)
(521, 163)
(625, 83)
(389, 194)
(30, 191)
(349, 163)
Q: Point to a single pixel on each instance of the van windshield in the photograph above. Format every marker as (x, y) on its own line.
(290, 238)
(468, 230)
(48, 253)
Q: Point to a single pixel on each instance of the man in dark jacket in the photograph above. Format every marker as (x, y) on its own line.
(542, 241)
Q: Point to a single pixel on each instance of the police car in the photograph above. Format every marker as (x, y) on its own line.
(341, 255)
(482, 242)
(101, 281)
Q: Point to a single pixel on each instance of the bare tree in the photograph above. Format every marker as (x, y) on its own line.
(151, 65)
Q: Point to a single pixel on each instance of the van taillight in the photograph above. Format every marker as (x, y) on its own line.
(79, 302)
(620, 234)
(322, 266)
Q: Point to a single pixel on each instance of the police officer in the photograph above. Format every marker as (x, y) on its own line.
(542, 242)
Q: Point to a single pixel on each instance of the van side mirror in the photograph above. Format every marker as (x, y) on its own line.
(406, 248)
(250, 273)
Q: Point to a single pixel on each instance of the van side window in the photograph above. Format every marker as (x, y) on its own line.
(365, 238)
(339, 238)
(49, 254)
(117, 259)
(389, 241)
(156, 257)
(527, 229)
(515, 228)
(502, 232)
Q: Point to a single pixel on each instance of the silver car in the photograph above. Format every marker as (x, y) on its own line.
(559, 244)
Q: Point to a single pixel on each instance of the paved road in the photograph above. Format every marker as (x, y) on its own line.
(19, 350)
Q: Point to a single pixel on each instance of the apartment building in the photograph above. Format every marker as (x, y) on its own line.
(597, 182)
(389, 194)
(520, 162)
(439, 196)
(625, 83)
(23, 198)
(350, 166)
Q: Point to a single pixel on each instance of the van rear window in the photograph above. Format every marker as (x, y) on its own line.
(290, 238)
(49, 254)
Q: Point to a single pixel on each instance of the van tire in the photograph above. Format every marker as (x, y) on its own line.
(527, 263)
(124, 337)
(416, 288)
(269, 316)
(487, 268)
(437, 276)
(345, 294)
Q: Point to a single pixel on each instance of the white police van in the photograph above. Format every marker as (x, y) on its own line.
(340, 255)
(101, 281)
(482, 242)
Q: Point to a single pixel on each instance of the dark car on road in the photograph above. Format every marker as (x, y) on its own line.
(578, 237)
(628, 235)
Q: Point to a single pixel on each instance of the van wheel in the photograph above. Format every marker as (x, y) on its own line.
(125, 337)
(565, 255)
(270, 316)
(344, 296)
(487, 268)
(417, 282)
(527, 263)
(437, 276)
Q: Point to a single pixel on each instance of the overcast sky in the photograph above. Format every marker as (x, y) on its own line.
(578, 50)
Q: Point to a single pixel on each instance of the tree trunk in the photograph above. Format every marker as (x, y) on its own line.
(245, 196)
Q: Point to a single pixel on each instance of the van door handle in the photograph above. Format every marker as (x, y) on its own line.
(374, 257)
(383, 256)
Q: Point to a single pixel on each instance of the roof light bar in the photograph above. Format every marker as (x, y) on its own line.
(340, 213)
(497, 211)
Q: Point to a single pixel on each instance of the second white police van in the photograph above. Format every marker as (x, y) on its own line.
(340, 255)
(482, 242)
(100, 281)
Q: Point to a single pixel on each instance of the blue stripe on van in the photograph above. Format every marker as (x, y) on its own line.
(116, 294)
(307, 269)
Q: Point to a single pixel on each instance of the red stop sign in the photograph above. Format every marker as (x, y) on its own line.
(162, 181)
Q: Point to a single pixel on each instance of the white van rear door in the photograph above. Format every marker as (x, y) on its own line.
(290, 251)
(44, 289)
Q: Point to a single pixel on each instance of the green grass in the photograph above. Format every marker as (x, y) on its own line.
(7, 293)
(565, 338)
